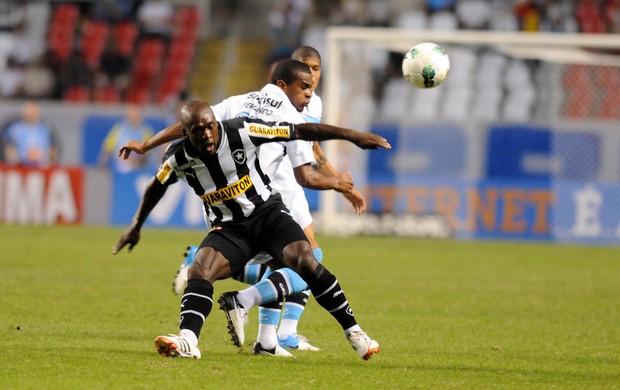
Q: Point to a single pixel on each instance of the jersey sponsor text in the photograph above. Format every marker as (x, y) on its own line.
(264, 131)
(228, 193)
(164, 172)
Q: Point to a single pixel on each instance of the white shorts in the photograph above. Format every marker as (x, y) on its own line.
(297, 203)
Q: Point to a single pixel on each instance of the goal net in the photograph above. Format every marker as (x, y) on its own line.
(521, 141)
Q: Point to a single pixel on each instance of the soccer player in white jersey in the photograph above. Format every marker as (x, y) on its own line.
(218, 161)
(293, 307)
(294, 197)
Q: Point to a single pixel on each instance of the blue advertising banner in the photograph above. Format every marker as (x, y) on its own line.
(485, 208)
(179, 207)
(525, 152)
(96, 127)
(534, 183)
(587, 212)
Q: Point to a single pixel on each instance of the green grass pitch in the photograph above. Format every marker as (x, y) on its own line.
(448, 315)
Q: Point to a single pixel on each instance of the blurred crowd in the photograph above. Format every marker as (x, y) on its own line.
(293, 21)
(84, 50)
(89, 51)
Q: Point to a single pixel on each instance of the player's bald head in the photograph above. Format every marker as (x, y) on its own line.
(193, 110)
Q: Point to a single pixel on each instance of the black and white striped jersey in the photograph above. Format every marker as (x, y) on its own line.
(231, 182)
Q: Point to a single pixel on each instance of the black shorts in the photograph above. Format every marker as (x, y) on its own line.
(269, 228)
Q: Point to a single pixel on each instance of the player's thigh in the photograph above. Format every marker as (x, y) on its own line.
(278, 230)
(235, 248)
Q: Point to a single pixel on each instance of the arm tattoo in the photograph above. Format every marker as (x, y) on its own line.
(319, 163)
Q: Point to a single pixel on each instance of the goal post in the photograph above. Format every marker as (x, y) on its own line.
(520, 141)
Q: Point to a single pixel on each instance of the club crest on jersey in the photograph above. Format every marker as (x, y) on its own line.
(264, 131)
(239, 156)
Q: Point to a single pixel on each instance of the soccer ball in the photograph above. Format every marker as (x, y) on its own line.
(426, 65)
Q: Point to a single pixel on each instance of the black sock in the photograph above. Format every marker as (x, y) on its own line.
(300, 299)
(196, 304)
(280, 284)
(273, 305)
(329, 295)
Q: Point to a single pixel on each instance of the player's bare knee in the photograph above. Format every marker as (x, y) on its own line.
(307, 264)
(209, 265)
(298, 256)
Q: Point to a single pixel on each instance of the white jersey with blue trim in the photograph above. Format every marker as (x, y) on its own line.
(271, 156)
(270, 104)
(313, 112)
(236, 106)
(284, 179)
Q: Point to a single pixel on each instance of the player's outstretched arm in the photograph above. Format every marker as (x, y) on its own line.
(308, 177)
(170, 133)
(357, 200)
(324, 167)
(152, 195)
(323, 132)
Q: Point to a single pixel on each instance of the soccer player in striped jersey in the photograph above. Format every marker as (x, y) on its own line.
(218, 160)
(271, 104)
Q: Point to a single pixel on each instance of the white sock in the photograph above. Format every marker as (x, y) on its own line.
(287, 328)
(354, 328)
(267, 336)
(188, 334)
(249, 297)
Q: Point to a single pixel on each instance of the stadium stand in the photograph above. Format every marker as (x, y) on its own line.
(158, 69)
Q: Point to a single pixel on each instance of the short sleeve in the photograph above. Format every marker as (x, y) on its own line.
(300, 152)
(166, 174)
(261, 131)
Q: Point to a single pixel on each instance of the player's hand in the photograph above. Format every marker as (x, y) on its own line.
(371, 141)
(131, 146)
(357, 200)
(130, 237)
(345, 183)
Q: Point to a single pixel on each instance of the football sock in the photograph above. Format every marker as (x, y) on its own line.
(292, 310)
(196, 304)
(189, 335)
(330, 296)
(318, 254)
(251, 273)
(190, 255)
(294, 306)
(268, 318)
(273, 288)
(355, 328)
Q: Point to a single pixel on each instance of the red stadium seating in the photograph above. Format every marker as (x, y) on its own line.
(138, 95)
(76, 94)
(94, 36)
(589, 17)
(579, 97)
(159, 69)
(107, 94)
(125, 34)
(61, 30)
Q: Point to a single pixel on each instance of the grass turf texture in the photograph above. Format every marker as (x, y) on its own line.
(447, 314)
